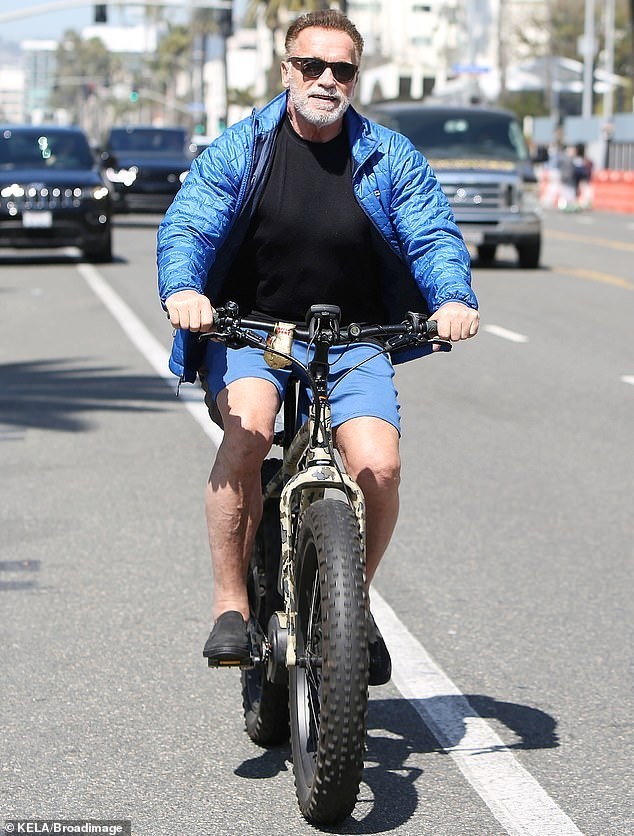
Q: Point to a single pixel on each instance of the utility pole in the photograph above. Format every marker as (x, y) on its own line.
(588, 60)
(608, 97)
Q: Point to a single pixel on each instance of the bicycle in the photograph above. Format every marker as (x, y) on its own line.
(306, 580)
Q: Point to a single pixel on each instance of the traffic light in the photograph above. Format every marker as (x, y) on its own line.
(134, 95)
(224, 21)
(101, 13)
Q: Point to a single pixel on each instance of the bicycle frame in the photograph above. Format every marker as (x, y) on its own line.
(309, 468)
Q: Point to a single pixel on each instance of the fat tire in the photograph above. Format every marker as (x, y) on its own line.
(328, 702)
(265, 703)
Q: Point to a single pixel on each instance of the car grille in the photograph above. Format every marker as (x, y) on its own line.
(480, 195)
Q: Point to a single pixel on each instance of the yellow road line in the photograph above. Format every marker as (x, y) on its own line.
(595, 276)
(586, 239)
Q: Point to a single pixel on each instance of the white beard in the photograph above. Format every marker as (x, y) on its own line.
(317, 111)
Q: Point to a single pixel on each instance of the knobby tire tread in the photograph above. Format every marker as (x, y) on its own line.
(328, 760)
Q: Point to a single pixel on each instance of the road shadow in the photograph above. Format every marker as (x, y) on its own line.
(60, 394)
(137, 221)
(48, 258)
(505, 264)
(388, 798)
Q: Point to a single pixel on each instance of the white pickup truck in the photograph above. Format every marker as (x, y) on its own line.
(483, 165)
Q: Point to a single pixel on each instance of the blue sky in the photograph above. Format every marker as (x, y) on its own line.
(49, 25)
(54, 24)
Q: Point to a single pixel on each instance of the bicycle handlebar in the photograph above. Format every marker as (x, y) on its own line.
(414, 330)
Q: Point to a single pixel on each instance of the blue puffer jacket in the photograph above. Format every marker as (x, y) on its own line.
(205, 225)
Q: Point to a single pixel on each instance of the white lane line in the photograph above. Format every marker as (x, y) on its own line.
(514, 797)
(628, 378)
(505, 334)
(517, 801)
(155, 353)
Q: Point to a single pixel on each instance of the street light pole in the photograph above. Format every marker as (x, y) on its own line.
(608, 98)
(588, 60)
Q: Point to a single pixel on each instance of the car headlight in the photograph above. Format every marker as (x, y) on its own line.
(529, 197)
(14, 190)
(99, 192)
(126, 176)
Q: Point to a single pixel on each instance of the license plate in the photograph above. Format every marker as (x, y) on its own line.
(37, 220)
(472, 236)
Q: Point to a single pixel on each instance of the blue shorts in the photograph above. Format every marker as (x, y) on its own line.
(367, 392)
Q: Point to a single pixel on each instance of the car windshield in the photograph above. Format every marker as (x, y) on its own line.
(151, 140)
(46, 149)
(460, 135)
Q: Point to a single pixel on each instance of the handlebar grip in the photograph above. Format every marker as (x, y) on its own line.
(432, 329)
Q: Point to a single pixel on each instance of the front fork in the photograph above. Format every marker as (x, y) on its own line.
(304, 487)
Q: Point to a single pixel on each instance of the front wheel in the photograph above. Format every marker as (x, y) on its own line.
(329, 683)
(529, 253)
(486, 253)
(100, 253)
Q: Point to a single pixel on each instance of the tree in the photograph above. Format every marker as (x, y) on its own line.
(170, 62)
(83, 77)
(554, 28)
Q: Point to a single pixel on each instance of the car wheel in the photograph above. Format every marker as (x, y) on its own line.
(529, 254)
(486, 253)
(101, 254)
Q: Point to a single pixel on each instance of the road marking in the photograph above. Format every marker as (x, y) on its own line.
(595, 276)
(601, 242)
(628, 378)
(498, 331)
(514, 797)
(155, 353)
(516, 800)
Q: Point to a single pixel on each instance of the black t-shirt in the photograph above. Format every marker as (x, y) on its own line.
(309, 241)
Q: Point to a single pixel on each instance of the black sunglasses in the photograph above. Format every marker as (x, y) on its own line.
(315, 67)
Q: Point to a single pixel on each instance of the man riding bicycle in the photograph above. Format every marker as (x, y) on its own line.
(305, 201)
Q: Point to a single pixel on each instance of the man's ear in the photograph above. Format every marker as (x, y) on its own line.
(285, 74)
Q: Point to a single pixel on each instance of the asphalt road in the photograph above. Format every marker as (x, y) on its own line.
(511, 564)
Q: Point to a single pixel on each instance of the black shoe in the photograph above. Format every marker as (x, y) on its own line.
(380, 669)
(228, 643)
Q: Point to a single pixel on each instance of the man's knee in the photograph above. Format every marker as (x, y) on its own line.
(370, 451)
(245, 440)
(374, 467)
(382, 472)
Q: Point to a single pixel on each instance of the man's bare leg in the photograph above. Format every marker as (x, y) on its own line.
(233, 499)
(369, 448)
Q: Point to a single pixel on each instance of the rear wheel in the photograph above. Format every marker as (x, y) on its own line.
(329, 683)
(265, 703)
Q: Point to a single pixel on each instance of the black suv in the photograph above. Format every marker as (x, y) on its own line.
(482, 163)
(52, 193)
(146, 166)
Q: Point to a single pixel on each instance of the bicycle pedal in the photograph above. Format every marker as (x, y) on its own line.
(229, 663)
